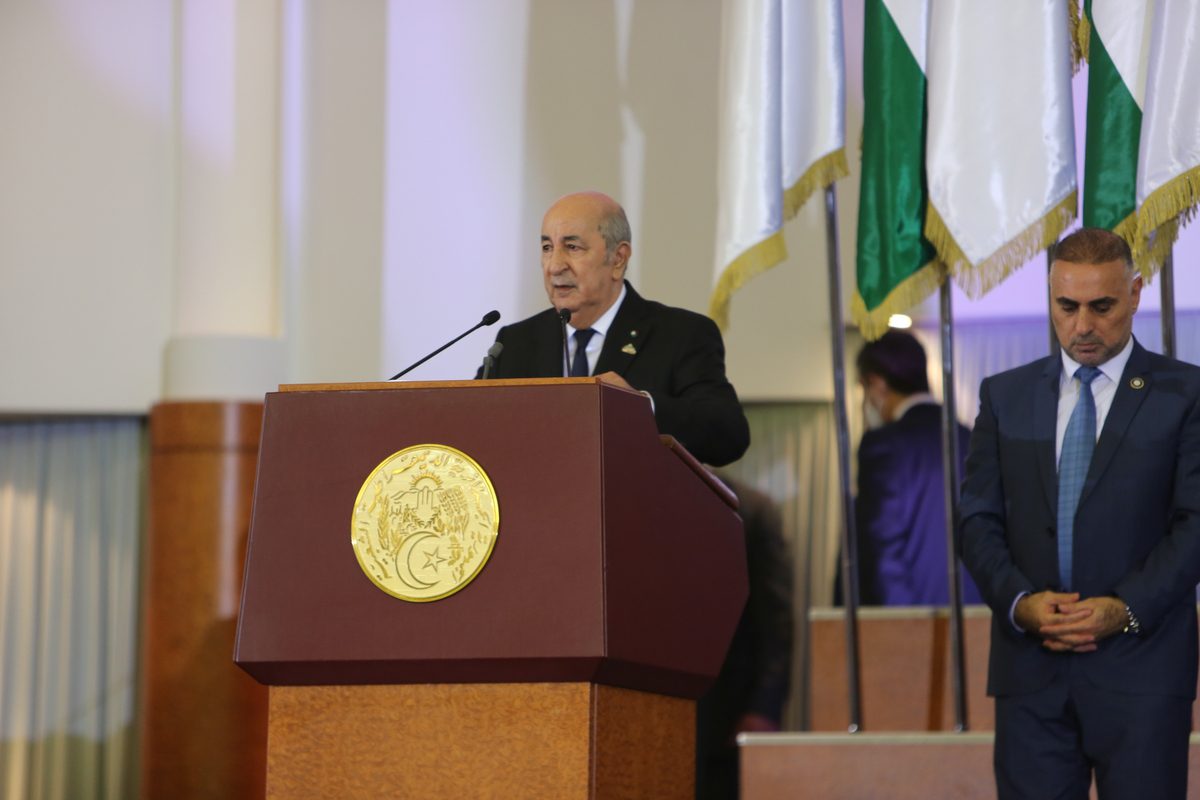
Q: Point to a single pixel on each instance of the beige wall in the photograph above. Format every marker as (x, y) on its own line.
(86, 202)
(332, 148)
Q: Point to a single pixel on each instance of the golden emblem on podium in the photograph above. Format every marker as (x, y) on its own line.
(425, 522)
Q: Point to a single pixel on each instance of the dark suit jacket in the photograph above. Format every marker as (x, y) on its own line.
(901, 512)
(1137, 529)
(675, 355)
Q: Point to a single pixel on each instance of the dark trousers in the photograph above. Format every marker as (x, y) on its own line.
(1049, 743)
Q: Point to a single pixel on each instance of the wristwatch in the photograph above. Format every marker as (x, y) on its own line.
(1131, 622)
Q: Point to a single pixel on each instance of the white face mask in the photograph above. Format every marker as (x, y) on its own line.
(872, 416)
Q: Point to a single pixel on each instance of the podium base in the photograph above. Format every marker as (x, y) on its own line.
(554, 740)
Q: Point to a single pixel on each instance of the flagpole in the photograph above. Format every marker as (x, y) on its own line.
(842, 423)
(950, 461)
(1167, 287)
(1050, 300)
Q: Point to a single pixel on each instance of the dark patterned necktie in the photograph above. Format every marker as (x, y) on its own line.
(579, 364)
(1078, 443)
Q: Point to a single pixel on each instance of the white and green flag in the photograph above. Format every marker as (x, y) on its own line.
(1142, 163)
(781, 129)
(1168, 181)
(1000, 146)
(1116, 93)
(896, 266)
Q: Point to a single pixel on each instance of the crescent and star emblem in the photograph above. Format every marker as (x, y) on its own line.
(425, 522)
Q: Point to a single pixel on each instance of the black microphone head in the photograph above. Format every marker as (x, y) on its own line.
(565, 315)
(490, 317)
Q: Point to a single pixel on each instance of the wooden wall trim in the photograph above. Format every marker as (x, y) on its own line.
(203, 719)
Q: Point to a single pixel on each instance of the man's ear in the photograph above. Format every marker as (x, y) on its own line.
(621, 260)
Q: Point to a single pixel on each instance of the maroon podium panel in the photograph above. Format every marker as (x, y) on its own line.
(616, 561)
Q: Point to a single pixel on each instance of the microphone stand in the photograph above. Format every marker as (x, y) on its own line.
(564, 316)
(488, 319)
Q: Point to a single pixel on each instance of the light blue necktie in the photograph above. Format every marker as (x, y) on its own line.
(579, 366)
(1078, 443)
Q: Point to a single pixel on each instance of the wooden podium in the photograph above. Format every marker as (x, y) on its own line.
(568, 667)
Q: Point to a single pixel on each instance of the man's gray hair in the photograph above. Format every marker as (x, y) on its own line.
(614, 228)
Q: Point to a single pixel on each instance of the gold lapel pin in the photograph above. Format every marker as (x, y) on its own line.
(629, 349)
(1136, 383)
(633, 333)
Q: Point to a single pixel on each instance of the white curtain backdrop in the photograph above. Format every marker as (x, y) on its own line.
(71, 494)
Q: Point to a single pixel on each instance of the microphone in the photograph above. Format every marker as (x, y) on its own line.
(489, 360)
(488, 319)
(564, 315)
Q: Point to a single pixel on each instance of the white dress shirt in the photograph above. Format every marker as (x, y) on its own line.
(1104, 388)
(594, 344)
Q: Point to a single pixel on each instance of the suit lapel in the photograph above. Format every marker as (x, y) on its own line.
(1126, 401)
(549, 345)
(1045, 427)
(627, 335)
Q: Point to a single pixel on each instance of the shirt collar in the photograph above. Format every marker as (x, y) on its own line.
(1112, 369)
(602, 325)
(918, 399)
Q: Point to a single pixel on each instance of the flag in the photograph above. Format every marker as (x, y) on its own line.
(1116, 91)
(1000, 143)
(896, 265)
(1168, 168)
(1142, 163)
(781, 133)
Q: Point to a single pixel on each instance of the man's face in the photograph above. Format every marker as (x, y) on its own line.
(579, 272)
(1092, 307)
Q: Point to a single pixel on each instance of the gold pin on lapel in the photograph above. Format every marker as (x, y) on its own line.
(633, 333)
(1136, 383)
(629, 349)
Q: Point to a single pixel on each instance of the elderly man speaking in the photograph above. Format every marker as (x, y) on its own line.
(673, 356)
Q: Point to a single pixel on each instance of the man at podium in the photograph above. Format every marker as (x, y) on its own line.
(673, 356)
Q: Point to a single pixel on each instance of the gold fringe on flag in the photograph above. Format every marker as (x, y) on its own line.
(755, 260)
(979, 279)
(1153, 251)
(772, 250)
(824, 171)
(910, 292)
(1168, 207)
(1177, 197)
(1081, 35)
(1127, 229)
(943, 241)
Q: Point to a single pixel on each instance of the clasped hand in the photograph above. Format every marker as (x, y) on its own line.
(1068, 624)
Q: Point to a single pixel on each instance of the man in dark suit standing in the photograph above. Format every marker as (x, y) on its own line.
(900, 509)
(674, 357)
(1081, 525)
